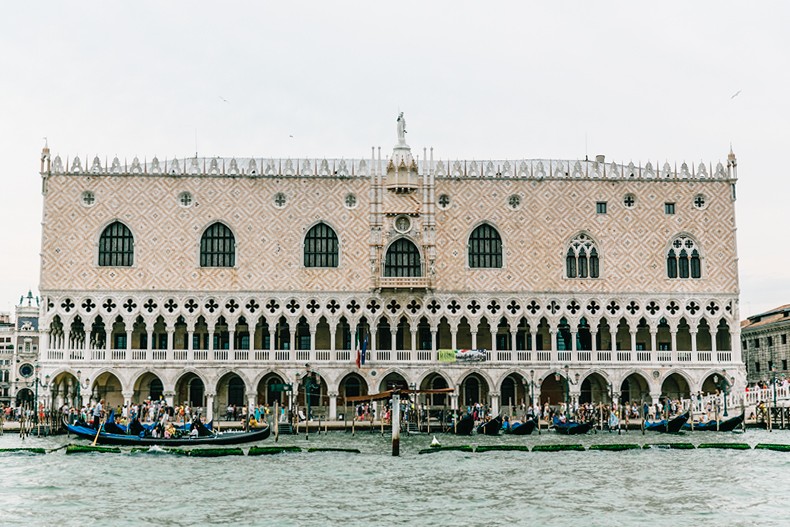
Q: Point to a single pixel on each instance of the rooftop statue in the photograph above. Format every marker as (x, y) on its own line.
(401, 129)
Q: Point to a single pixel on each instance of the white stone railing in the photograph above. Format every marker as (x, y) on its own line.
(385, 356)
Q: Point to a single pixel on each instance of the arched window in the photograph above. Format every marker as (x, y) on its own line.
(403, 259)
(683, 260)
(218, 247)
(485, 247)
(581, 260)
(116, 246)
(320, 247)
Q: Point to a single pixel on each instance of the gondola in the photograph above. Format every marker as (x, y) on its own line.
(724, 426)
(523, 429)
(464, 426)
(571, 427)
(667, 426)
(490, 427)
(227, 438)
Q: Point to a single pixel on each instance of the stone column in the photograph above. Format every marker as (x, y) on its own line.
(554, 355)
(393, 340)
(332, 405)
(67, 341)
(434, 333)
(633, 340)
(653, 337)
(613, 337)
(169, 397)
(272, 341)
(332, 337)
(474, 339)
(252, 402)
(454, 338)
(694, 345)
(231, 342)
(413, 339)
(312, 340)
(209, 407)
(127, 398)
(211, 344)
(454, 398)
(655, 397)
(494, 404)
(533, 342)
(128, 341)
(514, 340)
(169, 352)
(292, 344)
(150, 344)
(594, 342)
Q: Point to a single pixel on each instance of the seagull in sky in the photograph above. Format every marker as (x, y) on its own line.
(225, 100)
(735, 94)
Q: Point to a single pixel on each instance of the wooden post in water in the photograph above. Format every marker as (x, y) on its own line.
(396, 424)
(354, 423)
(276, 423)
(428, 413)
(716, 413)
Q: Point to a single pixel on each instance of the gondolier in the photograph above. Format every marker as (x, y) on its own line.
(97, 412)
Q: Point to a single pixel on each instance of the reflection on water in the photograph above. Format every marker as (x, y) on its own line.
(655, 487)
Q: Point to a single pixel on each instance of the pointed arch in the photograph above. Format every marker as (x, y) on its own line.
(582, 259)
(321, 246)
(402, 259)
(217, 246)
(684, 258)
(116, 246)
(485, 247)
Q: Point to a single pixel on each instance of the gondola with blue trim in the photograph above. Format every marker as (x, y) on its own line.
(667, 426)
(724, 426)
(571, 427)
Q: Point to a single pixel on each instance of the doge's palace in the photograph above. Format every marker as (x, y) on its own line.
(214, 281)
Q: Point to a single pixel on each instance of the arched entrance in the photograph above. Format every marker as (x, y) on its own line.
(474, 389)
(352, 385)
(148, 386)
(267, 393)
(25, 397)
(595, 389)
(190, 390)
(435, 381)
(230, 391)
(713, 382)
(675, 387)
(634, 389)
(513, 393)
(552, 389)
(65, 390)
(108, 387)
(392, 381)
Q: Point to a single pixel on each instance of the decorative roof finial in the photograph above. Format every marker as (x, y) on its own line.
(731, 155)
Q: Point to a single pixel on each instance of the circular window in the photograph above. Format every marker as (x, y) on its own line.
(629, 201)
(700, 201)
(444, 201)
(185, 199)
(514, 201)
(26, 370)
(350, 201)
(88, 198)
(402, 224)
(279, 200)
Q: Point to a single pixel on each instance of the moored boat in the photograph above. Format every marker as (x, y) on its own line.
(669, 426)
(724, 426)
(490, 427)
(523, 429)
(227, 438)
(571, 427)
(464, 426)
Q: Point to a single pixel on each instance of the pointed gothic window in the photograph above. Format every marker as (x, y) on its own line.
(116, 246)
(581, 260)
(485, 247)
(403, 259)
(683, 259)
(218, 247)
(320, 246)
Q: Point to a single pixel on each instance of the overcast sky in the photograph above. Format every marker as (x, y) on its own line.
(477, 80)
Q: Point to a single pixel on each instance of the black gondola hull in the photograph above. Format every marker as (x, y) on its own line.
(229, 438)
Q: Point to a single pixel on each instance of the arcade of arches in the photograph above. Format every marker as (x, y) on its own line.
(512, 390)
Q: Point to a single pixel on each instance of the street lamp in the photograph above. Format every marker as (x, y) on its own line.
(312, 382)
(38, 383)
(724, 386)
(568, 383)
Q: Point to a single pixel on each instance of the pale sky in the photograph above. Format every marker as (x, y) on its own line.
(477, 80)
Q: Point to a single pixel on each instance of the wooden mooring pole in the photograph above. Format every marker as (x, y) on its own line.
(396, 424)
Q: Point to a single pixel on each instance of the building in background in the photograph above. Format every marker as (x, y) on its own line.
(216, 281)
(19, 351)
(764, 343)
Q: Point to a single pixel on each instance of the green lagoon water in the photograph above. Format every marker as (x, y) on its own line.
(654, 487)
